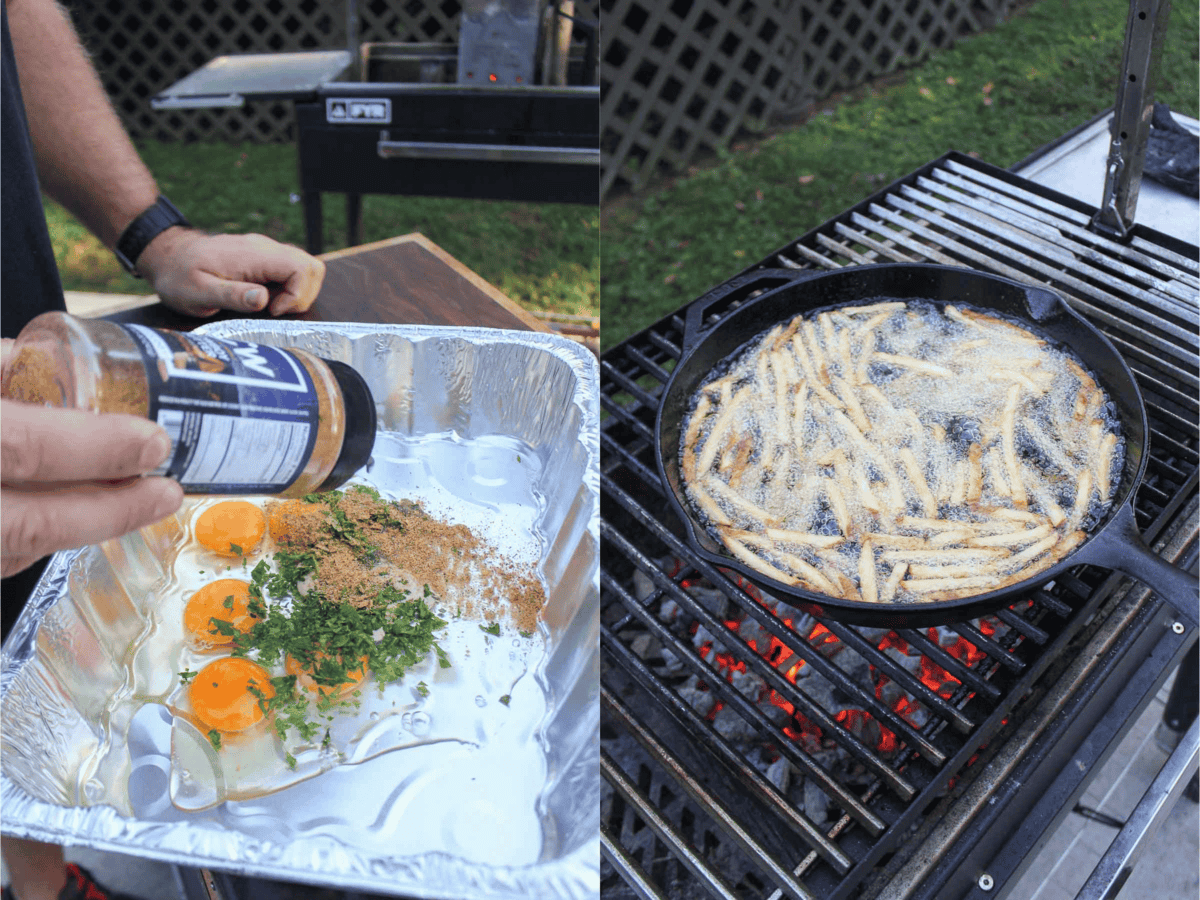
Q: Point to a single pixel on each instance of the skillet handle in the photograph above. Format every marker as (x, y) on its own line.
(1124, 550)
(759, 280)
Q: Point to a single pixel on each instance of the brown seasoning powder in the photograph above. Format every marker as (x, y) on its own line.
(460, 568)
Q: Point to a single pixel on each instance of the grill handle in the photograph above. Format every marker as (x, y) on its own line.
(578, 156)
(741, 285)
(1120, 546)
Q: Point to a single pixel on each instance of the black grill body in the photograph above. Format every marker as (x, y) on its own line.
(752, 750)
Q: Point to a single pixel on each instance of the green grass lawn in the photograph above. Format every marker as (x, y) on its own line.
(1000, 95)
(544, 256)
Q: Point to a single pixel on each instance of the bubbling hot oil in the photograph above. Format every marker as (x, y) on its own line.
(433, 737)
(854, 424)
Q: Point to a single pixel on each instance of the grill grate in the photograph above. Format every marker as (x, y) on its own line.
(752, 750)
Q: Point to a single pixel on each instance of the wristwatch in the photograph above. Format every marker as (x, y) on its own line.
(145, 228)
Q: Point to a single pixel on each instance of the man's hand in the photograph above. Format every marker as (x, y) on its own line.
(68, 479)
(197, 273)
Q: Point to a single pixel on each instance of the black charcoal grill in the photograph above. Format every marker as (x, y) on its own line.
(751, 750)
(510, 112)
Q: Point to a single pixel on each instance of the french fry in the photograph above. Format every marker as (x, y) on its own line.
(827, 331)
(1012, 538)
(720, 489)
(799, 411)
(853, 408)
(928, 524)
(802, 569)
(813, 343)
(845, 357)
(974, 473)
(866, 573)
(815, 383)
(756, 562)
(864, 358)
(921, 571)
(1021, 559)
(712, 443)
(1013, 515)
(899, 541)
(950, 538)
(709, 505)
(887, 308)
(958, 492)
(888, 591)
(913, 364)
(944, 555)
(913, 469)
(846, 588)
(1010, 331)
(1083, 498)
(1104, 460)
(995, 472)
(804, 538)
(741, 460)
(1022, 379)
(837, 505)
(1009, 442)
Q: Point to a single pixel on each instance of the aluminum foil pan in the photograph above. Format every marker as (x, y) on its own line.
(74, 772)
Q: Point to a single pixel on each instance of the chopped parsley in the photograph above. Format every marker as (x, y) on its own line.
(214, 738)
(506, 699)
(326, 638)
(187, 675)
(493, 629)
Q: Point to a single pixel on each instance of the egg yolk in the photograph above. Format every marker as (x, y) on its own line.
(231, 528)
(290, 519)
(227, 600)
(221, 697)
(305, 679)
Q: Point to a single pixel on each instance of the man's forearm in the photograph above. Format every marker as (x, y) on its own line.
(85, 159)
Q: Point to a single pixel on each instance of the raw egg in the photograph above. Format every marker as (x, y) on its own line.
(304, 677)
(227, 600)
(221, 697)
(231, 528)
(290, 520)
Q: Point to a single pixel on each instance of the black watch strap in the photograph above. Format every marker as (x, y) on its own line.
(145, 228)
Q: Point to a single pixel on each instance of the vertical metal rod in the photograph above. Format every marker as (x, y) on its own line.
(356, 66)
(1144, 35)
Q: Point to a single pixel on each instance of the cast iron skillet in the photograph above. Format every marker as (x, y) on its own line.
(1114, 543)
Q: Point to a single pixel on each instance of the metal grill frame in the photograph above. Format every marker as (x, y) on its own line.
(1012, 683)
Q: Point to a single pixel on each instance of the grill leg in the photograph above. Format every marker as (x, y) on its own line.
(1184, 700)
(314, 240)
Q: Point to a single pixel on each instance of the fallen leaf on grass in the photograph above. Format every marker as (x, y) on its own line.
(758, 195)
(670, 279)
(806, 179)
(925, 92)
(739, 206)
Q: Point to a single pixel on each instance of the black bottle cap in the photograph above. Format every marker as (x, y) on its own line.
(359, 437)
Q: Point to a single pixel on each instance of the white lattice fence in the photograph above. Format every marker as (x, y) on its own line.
(683, 76)
(142, 46)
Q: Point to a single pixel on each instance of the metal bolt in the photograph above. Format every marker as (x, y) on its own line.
(985, 882)
(1178, 628)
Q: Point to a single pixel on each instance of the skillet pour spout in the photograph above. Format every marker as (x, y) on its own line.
(718, 325)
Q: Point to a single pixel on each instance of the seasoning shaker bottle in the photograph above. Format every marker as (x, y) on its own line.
(243, 418)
